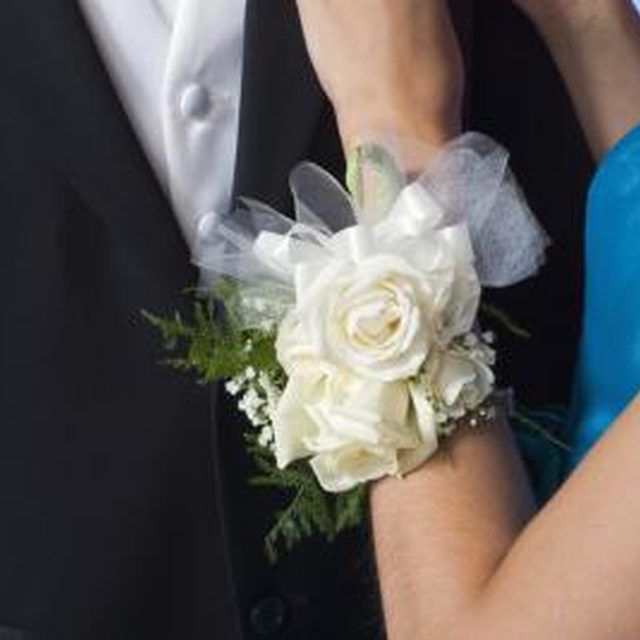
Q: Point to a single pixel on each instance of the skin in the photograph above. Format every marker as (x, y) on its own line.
(461, 553)
(370, 74)
(596, 46)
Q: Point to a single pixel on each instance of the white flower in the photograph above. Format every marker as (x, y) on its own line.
(442, 253)
(272, 393)
(461, 380)
(233, 387)
(489, 337)
(354, 429)
(373, 305)
(292, 345)
(374, 317)
(265, 438)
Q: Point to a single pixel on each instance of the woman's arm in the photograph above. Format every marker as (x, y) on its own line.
(455, 561)
(459, 551)
(441, 533)
(596, 45)
(389, 67)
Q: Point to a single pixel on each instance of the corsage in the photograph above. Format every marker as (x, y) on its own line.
(348, 332)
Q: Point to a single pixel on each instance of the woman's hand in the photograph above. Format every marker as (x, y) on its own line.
(388, 67)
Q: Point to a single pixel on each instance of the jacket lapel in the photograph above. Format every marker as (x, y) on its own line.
(47, 54)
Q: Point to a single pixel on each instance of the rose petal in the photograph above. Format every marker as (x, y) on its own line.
(350, 467)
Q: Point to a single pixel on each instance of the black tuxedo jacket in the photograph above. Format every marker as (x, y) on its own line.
(124, 508)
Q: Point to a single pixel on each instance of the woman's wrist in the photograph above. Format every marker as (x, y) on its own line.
(392, 70)
(357, 127)
(414, 136)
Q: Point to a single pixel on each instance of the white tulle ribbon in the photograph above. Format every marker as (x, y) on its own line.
(469, 186)
(373, 311)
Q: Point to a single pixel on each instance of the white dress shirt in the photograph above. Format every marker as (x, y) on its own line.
(177, 66)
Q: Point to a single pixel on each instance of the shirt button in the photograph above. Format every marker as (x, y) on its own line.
(195, 102)
(207, 224)
(268, 615)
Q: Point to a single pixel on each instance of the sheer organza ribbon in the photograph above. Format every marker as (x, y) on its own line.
(467, 197)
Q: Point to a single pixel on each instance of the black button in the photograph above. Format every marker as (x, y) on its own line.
(268, 615)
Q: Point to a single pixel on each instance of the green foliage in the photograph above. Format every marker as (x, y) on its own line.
(308, 510)
(351, 508)
(213, 344)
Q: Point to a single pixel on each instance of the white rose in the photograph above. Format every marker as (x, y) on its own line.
(412, 230)
(374, 317)
(292, 345)
(463, 381)
(353, 429)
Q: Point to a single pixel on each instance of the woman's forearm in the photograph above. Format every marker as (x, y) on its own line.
(596, 45)
(441, 532)
(456, 562)
(459, 552)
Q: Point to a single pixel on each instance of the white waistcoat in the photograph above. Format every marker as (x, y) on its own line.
(177, 65)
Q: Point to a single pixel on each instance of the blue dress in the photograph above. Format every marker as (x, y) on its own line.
(608, 370)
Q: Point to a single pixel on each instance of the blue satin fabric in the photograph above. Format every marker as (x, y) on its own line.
(608, 371)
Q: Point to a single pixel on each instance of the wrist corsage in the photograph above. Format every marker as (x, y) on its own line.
(349, 333)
